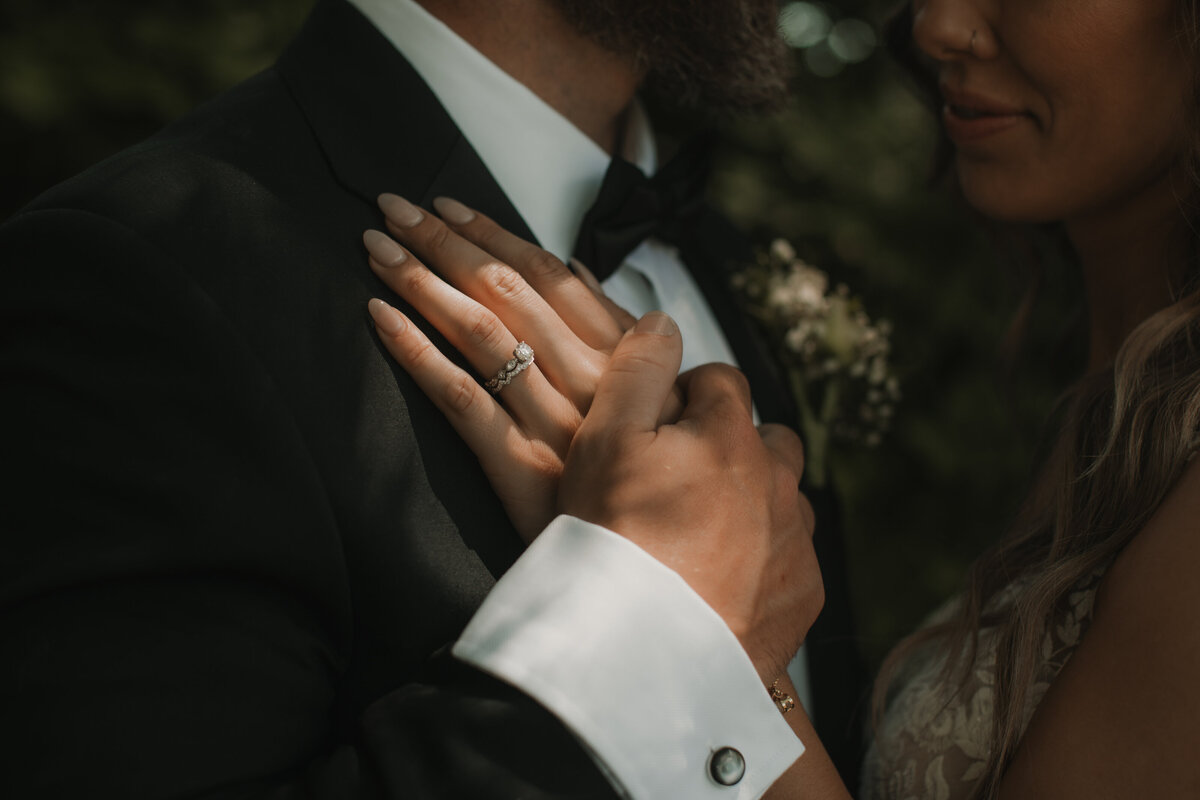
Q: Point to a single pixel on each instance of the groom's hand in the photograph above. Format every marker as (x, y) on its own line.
(711, 496)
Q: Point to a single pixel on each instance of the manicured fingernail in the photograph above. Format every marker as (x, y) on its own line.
(453, 211)
(658, 323)
(388, 319)
(400, 211)
(383, 248)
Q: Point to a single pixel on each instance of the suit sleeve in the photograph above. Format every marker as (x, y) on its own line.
(174, 614)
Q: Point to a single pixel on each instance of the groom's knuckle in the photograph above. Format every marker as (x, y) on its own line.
(788, 449)
(808, 517)
(737, 436)
(785, 484)
(730, 383)
(730, 378)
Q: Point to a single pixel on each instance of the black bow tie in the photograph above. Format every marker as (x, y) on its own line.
(631, 208)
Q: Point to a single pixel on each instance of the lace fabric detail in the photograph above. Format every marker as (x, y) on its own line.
(934, 746)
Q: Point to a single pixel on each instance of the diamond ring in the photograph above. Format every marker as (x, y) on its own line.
(522, 358)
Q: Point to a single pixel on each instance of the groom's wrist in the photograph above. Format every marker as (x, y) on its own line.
(630, 658)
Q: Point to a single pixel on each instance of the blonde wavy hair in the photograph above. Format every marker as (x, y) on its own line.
(1126, 436)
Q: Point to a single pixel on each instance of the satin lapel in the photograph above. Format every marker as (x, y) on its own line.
(712, 249)
(381, 127)
(464, 177)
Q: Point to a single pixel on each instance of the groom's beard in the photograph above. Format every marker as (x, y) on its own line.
(717, 56)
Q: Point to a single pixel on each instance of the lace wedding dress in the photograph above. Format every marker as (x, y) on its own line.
(933, 747)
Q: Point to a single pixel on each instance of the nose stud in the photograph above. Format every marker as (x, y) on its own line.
(951, 48)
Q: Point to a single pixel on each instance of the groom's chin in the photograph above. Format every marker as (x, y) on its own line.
(714, 57)
(723, 95)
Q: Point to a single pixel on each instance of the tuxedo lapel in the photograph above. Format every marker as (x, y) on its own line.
(380, 126)
(464, 177)
(381, 129)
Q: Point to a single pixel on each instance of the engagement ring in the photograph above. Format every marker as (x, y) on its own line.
(522, 358)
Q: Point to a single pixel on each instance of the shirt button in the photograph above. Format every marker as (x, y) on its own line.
(727, 767)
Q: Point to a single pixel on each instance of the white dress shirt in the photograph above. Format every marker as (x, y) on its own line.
(651, 695)
(549, 169)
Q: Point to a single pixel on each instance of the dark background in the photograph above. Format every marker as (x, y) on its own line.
(842, 172)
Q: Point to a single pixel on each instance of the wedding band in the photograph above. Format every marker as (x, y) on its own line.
(522, 358)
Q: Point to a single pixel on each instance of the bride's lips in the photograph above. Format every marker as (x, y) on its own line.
(970, 117)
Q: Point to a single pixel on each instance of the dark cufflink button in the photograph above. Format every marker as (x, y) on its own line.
(727, 767)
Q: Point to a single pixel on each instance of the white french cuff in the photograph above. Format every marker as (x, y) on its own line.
(629, 657)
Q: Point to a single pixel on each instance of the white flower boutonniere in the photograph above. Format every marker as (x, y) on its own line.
(836, 359)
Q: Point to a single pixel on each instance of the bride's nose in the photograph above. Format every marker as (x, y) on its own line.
(951, 30)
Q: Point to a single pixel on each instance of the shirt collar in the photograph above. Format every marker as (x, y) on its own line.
(549, 169)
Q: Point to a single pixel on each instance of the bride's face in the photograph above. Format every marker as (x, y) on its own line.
(1059, 109)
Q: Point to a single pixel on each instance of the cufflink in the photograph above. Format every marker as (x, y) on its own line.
(727, 767)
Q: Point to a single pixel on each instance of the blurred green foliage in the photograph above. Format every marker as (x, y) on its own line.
(842, 173)
(81, 80)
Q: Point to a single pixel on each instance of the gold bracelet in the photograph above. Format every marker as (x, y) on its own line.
(782, 699)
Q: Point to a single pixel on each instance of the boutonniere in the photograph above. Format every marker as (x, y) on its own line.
(835, 357)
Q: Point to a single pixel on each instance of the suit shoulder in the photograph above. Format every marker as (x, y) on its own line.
(246, 141)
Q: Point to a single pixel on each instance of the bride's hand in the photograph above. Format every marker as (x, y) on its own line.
(710, 496)
(485, 290)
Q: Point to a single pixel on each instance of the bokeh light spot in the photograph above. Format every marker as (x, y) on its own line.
(804, 24)
(852, 40)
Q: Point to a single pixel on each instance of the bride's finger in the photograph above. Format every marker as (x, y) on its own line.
(521, 470)
(624, 319)
(569, 363)
(477, 417)
(573, 300)
(480, 336)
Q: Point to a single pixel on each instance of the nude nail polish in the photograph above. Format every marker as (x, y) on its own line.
(399, 211)
(387, 318)
(453, 211)
(383, 248)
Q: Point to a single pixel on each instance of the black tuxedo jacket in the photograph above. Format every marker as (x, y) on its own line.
(236, 539)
